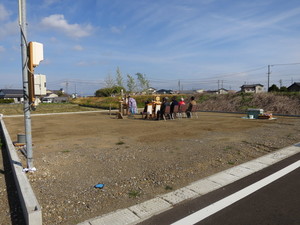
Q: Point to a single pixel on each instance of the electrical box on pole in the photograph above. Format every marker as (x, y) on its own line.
(40, 85)
(35, 55)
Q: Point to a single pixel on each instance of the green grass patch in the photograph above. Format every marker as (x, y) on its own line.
(134, 194)
(65, 151)
(227, 148)
(168, 188)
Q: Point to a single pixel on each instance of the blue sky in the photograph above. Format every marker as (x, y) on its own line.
(198, 42)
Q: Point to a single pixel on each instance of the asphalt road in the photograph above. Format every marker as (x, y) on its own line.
(277, 203)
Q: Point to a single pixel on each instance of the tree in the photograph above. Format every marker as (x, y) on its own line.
(119, 78)
(131, 83)
(273, 88)
(283, 89)
(107, 92)
(143, 82)
(109, 81)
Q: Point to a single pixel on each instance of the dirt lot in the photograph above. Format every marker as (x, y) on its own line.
(137, 159)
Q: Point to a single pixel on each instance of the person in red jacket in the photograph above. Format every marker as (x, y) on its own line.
(181, 102)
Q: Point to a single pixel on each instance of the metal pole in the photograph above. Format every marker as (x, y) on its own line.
(269, 72)
(27, 117)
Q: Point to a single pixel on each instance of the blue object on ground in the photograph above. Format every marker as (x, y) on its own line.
(99, 186)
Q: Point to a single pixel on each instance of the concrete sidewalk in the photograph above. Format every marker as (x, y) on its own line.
(138, 213)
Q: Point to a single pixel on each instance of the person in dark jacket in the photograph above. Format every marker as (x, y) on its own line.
(164, 104)
(173, 103)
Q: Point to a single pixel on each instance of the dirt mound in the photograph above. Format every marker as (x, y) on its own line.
(276, 103)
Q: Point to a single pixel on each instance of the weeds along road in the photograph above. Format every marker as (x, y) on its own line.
(10, 208)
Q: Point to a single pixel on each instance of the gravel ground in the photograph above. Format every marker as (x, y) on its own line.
(136, 159)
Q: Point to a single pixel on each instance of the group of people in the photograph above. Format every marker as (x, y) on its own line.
(132, 106)
(172, 104)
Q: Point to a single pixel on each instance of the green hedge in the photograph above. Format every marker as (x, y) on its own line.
(106, 102)
(6, 101)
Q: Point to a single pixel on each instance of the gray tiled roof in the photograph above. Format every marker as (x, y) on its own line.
(11, 93)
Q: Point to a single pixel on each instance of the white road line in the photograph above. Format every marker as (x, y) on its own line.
(225, 202)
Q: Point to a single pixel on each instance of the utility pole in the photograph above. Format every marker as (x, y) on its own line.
(269, 72)
(280, 83)
(67, 85)
(24, 55)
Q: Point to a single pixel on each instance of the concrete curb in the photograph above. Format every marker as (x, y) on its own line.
(30, 206)
(138, 213)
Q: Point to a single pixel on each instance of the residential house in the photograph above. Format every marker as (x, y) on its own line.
(212, 92)
(295, 87)
(164, 91)
(15, 94)
(252, 88)
(200, 91)
(50, 96)
(222, 91)
(151, 90)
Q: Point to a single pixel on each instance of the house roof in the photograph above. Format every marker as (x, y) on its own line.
(295, 84)
(223, 89)
(251, 85)
(164, 91)
(11, 93)
(212, 91)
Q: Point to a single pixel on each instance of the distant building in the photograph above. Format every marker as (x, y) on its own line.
(212, 92)
(151, 90)
(187, 92)
(252, 88)
(164, 91)
(15, 94)
(222, 91)
(59, 92)
(199, 91)
(295, 87)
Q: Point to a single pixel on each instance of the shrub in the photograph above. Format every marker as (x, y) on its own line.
(107, 92)
(6, 101)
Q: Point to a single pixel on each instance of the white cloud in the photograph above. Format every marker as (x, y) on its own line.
(78, 48)
(92, 63)
(4, 14)
(117, 30)
(53, 39)
(9, 28)
(50, 2)
(59, 23)
(2, 49)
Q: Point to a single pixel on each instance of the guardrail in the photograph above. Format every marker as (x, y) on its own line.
(30, 206)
